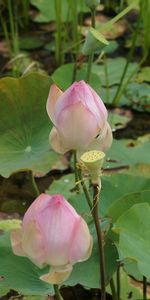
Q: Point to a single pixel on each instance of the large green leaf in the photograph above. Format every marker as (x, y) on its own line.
(144, 75)
(24, 125)
(124, 203)
(138, 96)
(19, 273)
(128, 289)
(63, 185)
(117, 188)
(133, 228)
(115, 67)
(87, 273)
(128, 152)
(47, 9)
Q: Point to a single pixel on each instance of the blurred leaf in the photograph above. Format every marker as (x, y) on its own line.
(139, 170)
(128, 289)
(119, 190)
(4, 290)
(130, 266)
(115, 68)
(24, 125)
(117, 121)
(112, 92)
(128, 152)
(134, 235)
(112, 47)
(64, 185)
(29, 43)
(35, 298)
(120, 206)
(138, 96)
(9, 224)
(144, 75)
(94, 41)
(65, 81)
(47, 9)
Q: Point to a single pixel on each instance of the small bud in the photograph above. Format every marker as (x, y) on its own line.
(92, 3)
(93, 160)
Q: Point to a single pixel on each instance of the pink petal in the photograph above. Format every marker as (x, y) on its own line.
(58, 222)
(34, 245)
(100, 105)
(39, 204)
(57, 275)
(78, 126)
(53, 96)
(82, 243)
(16, 242)
(80, 92)
(57, 142)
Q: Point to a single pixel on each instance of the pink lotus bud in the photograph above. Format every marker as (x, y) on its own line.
(52, 234)
(78, 114)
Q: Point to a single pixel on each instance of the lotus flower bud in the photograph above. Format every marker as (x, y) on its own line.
(53, 234)
(93, 161)
(78, 114)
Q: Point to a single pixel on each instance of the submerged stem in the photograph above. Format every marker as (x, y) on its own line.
(35, 187)
(76, 171)
(130, 55)
(57, 293)
(118, 281)
(144, 288)
(113, 289)
(85, 190)
(97, 222)
(90, 59)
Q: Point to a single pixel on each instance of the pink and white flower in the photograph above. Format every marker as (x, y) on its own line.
(53, 234)
(79, 116)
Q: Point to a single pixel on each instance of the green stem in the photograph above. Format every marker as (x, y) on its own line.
(91, 56)
(76, 172)
(57, 293)
(118, 281)
(130, 55)
(89, 68)
(97, 221)
(113, 290)
(132, 74)
(86, 193)
(144, 288)
(59, 52)
(75, 33)
(107, 79)
(5, 29)
(12, 28)
(35, 187)
(74, 73)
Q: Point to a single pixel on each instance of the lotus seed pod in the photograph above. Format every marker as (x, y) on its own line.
(93, 160)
